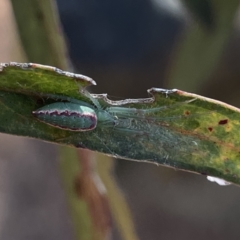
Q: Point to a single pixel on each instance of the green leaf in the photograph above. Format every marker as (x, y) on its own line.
(174, 128)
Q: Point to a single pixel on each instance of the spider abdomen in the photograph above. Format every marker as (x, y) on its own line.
(68, 116)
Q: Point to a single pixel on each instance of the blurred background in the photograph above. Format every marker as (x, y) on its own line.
(128, 47)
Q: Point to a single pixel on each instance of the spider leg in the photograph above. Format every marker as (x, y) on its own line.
(135, 112)
(88, 95)
(68, 99)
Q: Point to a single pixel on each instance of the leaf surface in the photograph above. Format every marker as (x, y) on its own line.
(173, 127)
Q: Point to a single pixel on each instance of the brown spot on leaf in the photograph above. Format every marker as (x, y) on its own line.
(186, 113)
(210, 129)
(223, 122)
